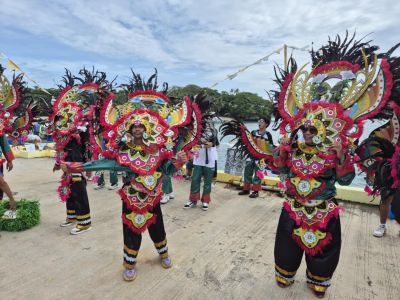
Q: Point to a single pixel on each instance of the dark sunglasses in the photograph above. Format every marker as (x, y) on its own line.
(310, 129)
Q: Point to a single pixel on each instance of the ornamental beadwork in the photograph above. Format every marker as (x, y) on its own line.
(309, 237)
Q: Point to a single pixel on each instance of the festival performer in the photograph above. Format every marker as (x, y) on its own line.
(204, 157)
(6, 156)
(377, 156)
(252, 182)
(13, 126)
(322, 115)
(72, 112)
(256, 147)
(145, 140)
(98, 139)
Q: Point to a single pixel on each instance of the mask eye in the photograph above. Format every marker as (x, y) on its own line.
(310, 129)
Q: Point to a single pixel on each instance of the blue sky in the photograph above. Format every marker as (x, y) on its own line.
(196, 42)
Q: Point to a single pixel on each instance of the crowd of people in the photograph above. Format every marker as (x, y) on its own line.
(147, 139)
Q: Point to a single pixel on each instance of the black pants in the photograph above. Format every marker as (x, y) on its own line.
(78, 204)
(133, 240)
(288, 254)
(396, 205)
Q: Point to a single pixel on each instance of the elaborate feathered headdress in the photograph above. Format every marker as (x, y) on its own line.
(11, 93)
(348, 84)
(153, 110)
(78, 99)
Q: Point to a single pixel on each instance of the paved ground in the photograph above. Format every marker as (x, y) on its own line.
(225, 253)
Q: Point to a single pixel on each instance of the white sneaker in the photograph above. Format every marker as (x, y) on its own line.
(164, 199)
(113, 187)
(9, 215)
(76, 231)
(380, 231)
(190, 204)
(204, 206)
(99, 187)
(171, 196)
(67, 223)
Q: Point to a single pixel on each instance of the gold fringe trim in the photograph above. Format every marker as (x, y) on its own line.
(87, 216)
(71, 211)
(129, 266)
(164, 255)
(283, 281)
(83, 227)
(284, 272)
(317, 288)
(318, 278)
(160, 244)
(130, 251)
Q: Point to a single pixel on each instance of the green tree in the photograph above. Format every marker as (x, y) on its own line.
(120, 97)
(236, 104)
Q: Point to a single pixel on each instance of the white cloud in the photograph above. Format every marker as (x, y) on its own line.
(197, 38)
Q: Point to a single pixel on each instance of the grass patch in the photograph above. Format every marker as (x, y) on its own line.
(28, 215)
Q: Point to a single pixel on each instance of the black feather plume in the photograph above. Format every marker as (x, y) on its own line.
(137, 83)
(280, 77)
(347, 49)
(233, 128)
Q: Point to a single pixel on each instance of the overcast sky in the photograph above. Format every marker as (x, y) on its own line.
(196, 42)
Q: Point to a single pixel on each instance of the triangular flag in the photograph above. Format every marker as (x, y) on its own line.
(13, 66)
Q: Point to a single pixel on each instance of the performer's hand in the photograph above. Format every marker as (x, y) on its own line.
(181, 155)
(56, 167)
(285, 141)
(129, 137)
(9, 166)
(64, 168)
(338, 149)
(208, 145)
(13, 205)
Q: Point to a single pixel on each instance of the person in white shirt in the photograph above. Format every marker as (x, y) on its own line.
(204, 162)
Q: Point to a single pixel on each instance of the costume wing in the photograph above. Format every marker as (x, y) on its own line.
(21, 125)
(247, 144)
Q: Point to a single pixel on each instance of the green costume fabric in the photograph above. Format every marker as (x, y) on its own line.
(166, 167)
(167, 184)
(113, 178)
(328, 178)
(5, 150)
(198, 172)
(250, 177)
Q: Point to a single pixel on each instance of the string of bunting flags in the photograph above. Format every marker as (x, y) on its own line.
(261, 60)
(11, 65)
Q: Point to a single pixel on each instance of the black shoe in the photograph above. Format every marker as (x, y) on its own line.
(254, 195)
(243, 192)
